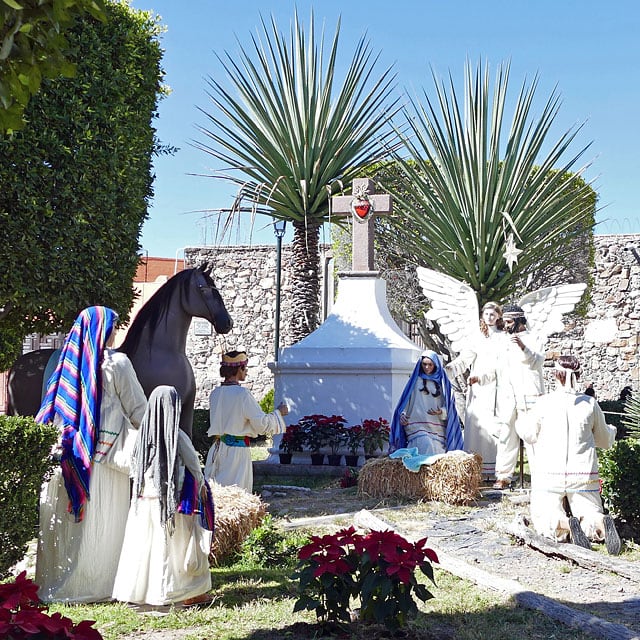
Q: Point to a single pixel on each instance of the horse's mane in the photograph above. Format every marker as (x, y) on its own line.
(156, 309)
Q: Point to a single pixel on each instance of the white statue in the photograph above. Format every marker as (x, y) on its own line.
(505, 369)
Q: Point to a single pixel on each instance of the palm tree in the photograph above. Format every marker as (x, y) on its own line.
(474, 195)
(293, 137)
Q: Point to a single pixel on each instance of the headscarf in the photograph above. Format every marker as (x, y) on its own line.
(74, 394)
(157, 447)
(397, 435)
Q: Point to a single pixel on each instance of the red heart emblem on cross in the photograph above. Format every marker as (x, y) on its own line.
(362, 209)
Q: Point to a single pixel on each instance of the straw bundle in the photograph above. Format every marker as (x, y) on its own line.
(237, 514)
(453, 479)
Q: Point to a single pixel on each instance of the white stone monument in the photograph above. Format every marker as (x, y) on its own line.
(358, 361)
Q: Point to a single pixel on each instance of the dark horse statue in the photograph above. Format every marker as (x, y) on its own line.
(155, 343)
(157, 337)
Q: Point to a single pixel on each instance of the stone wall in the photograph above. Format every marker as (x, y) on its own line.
(246, 279)
(605, 340)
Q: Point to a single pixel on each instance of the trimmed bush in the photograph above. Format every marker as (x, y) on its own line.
(24, 465)
(620, 473)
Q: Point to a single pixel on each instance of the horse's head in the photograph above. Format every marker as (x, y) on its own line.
(214, 309)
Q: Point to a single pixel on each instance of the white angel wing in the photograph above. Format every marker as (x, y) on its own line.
(544, 308)
(454, 306)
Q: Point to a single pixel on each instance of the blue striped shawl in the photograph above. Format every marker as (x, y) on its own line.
(74, 393)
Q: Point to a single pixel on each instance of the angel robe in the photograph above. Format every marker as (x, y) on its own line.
(234, 417)
(566, 428)
(520, 382)
(482, 410)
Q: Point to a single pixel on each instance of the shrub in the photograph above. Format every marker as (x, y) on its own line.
(293, 439)
(321, 431)
(267, 403)
(24, 464)
(375, 435)
(268, 546)
(620, 474)
(349, 478)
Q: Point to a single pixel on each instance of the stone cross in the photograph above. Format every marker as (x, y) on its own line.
(364, 205)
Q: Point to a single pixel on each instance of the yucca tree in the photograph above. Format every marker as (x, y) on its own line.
(291, 135)
(465, 184)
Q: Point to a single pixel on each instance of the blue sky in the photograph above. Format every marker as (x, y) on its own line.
(589, 50)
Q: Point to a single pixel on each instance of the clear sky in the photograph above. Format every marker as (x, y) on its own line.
(588, 49)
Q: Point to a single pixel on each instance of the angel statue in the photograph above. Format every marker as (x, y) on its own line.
(504, 353)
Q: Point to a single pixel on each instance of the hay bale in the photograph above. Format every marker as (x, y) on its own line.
(453, 479)
(238, 513)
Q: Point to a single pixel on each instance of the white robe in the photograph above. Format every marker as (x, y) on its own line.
(426, 431)
(77, 561)
(520, 383)
(156, 567)
(234, 411)
(566, 428)
(481, 418)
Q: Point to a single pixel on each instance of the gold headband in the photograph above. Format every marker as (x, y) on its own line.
(239, 360)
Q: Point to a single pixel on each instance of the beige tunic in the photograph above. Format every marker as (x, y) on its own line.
(234, 411)
(566, 429)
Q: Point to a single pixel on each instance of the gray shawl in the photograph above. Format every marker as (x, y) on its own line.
(156, 447)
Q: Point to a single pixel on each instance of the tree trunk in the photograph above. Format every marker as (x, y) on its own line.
(305, 280)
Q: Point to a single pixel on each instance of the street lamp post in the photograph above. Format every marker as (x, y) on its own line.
(279, 227)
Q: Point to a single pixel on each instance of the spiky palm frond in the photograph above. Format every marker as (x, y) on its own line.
(466, 183)
(292, 134)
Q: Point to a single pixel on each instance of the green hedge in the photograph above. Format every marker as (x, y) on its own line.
(620, 473)
(24, 464)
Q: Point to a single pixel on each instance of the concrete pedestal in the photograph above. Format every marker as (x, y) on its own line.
(355, 364)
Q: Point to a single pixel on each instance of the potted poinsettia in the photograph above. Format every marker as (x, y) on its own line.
(292, 440)
(320, 431)
(375, 435)
(353, 439)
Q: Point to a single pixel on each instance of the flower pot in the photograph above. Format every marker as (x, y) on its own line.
(351, 460)
(334, 459)
(317, 458)
(285, 458)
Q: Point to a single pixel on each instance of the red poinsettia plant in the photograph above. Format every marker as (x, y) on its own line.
(378, 569)
(322, 431)
(292, 439)
(22, 617)
(375, 435)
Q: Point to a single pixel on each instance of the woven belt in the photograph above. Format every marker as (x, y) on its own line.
(235, 441)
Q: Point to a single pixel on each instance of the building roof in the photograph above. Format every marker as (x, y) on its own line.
(150, 269)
